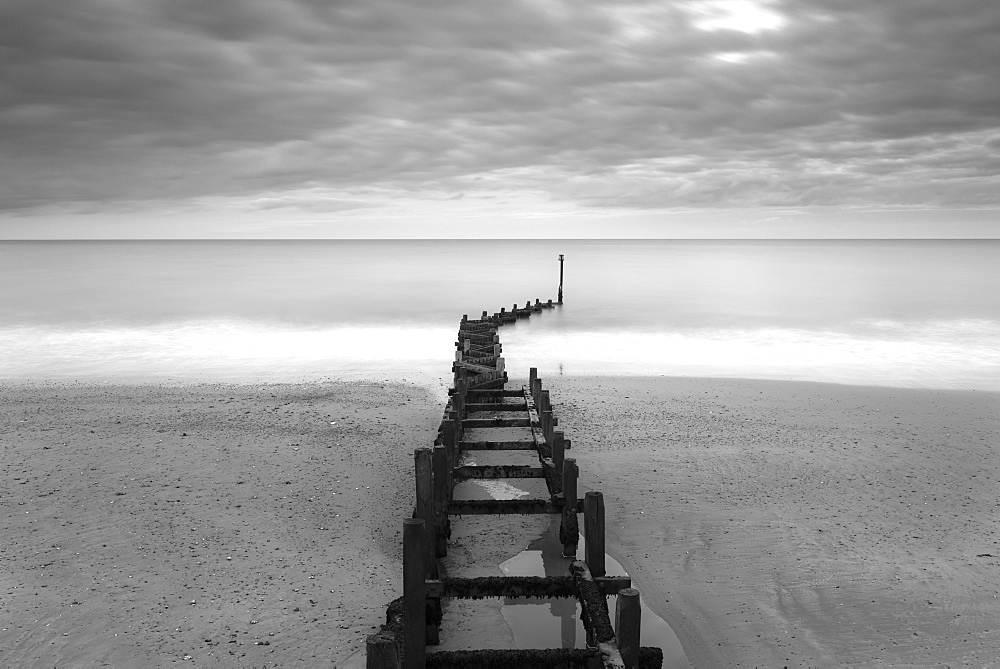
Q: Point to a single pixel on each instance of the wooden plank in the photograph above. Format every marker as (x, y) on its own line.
(519, 586)
(494, 406)
(649, 658)
(476, 369)
(482, 507)
(478, 395)
(498, 472)
(497, 445)
(495, 422)
(485, 360)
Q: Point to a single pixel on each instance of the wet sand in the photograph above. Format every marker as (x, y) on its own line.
(769, 523)
(783, 523)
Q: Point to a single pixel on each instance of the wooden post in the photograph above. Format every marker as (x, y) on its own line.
(450, 439)
(560, 277)
(414, 607)
(439, 462)
(532, 375)
(543, 399)
(466, 345)
(458, 400)
(500, 365)
(593, 532)
(628, 617)
(558, 450)
(485, 317)
(380, 652)
(546, 420)
(569, 532)
(425, 505)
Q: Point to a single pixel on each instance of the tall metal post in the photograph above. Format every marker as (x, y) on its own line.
(560, 277)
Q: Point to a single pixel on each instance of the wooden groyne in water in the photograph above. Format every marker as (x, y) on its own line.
(479, 398)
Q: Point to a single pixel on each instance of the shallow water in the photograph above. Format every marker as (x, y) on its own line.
(908, 313)
(539, 623)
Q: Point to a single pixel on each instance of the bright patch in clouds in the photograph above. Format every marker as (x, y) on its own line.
(742, 15)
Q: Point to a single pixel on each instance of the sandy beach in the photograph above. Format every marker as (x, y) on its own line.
(800, 524)
(241, 525)
(770, 523)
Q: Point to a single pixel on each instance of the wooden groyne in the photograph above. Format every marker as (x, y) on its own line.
(480, 398)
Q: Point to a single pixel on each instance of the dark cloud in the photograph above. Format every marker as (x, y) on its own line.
(630, 104)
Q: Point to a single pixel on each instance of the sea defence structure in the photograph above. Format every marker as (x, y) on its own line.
(479, 398)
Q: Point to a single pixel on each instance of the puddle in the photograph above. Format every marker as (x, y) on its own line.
(551, 623)
(537, 623)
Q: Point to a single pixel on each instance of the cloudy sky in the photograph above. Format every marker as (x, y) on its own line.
(517, 118)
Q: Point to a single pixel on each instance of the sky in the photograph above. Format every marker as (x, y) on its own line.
(521, 118)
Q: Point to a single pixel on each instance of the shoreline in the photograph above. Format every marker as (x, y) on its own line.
(767, 522)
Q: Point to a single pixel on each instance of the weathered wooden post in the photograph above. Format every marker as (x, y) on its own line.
(439, 463)
(548, 424)
(450, 438)
(425, 504)
(485, 317)
(593, 532)
(560, 278)
(546, 420)
(532, 375)
(558, 449)
(628, 618)
(380, 652)
(569, 530)
(500, 365)
(414, 606)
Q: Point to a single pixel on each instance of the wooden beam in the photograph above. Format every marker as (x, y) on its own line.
(498, 472)
(478, 395)
(541, 587)
(495, 422)
(494, 406)
(497, 445)
(476, 369)
(594, 614)
(483, 507)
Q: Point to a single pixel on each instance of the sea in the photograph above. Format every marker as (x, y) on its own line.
(908, 313)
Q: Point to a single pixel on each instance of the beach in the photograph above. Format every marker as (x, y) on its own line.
(239, 525)
(801, 524)
(770, 523)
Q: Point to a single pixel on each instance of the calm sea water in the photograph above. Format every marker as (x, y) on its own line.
(904, 313)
